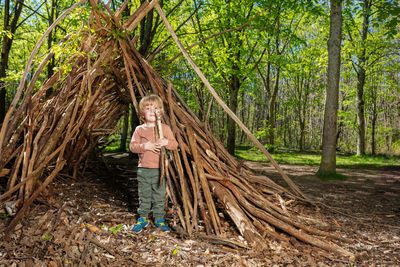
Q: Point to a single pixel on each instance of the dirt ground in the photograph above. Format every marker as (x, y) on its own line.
(87, 222)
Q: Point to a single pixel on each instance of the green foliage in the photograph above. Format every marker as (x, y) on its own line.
(113, 143)
(4, 215)
(297, 158)
(6, 33)
(47, 237)
(176, 250)
(270, 147)
(269, 36)
(116, 229)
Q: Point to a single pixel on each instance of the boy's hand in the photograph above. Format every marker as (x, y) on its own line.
(163, 142)
(154, 147)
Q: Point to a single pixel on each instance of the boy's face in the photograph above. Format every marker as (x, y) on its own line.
(150, 113)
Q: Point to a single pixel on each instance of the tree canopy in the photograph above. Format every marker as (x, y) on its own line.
(267, 59)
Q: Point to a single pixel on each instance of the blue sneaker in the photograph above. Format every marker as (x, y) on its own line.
(140, 224)
(161, 223)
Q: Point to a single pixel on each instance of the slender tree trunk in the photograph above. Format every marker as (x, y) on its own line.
(124, 134)
(328, 159)
(271, 123)
(339, 132)
(221, 116)
(374, 119)
(272, 102)
(268, 94)
(52, 14)
(245, 115)
(303, 92)
(286, 127)
(340, 126)
(289, 131)
(360, 112)
(255, 120)
(198, 90)
(233, 103)
(361, 76)
(10, 26)
(302, 134)
(50, 39)
(148, 27)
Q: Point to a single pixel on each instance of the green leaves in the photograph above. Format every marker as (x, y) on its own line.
(6, 33)
(47, 237)
(4, 215)
(262, 44)
(116, 229)
(176, 250)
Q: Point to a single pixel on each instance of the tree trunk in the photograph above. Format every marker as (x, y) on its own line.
(268, 94)
(286, 127)
(328, 159)
(302, 134)
(7, 40)
(147, 31)
(373, 126)
(124, 134)
(221, 126)
(342, 108)
(233, 103)
(361, 75)
(373, 144)
(271, 120)
(303, 88)
(289, 130)
(50, 40)
(360, 112)
(245, 114)
(52, 14)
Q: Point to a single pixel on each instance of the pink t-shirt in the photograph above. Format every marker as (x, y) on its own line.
(144, 134)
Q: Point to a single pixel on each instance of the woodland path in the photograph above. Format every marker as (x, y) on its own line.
(370, 196)
(86, 222)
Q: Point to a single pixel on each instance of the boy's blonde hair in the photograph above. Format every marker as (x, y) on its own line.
(150, 100)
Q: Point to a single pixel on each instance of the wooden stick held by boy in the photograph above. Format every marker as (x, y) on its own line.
(163, 154)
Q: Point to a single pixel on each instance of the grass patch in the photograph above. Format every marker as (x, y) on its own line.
(297, 158)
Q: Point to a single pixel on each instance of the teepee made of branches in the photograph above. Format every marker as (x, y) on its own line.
(44, 135)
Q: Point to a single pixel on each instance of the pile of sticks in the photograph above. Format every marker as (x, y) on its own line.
(44, 135)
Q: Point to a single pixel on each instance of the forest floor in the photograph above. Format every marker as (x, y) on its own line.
(87, 222)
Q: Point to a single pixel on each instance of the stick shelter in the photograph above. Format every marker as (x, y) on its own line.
(46, 134)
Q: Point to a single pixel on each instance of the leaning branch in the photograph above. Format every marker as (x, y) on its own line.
(295, 189)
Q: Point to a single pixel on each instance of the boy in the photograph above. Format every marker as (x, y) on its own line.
(145, 144)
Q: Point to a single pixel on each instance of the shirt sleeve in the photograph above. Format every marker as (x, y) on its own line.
(172, 143)
(135, 145)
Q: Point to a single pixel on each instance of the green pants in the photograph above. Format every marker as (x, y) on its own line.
(150, 193)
